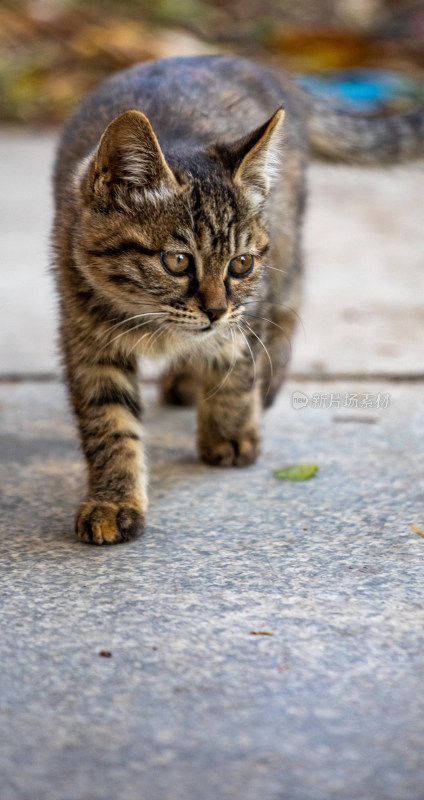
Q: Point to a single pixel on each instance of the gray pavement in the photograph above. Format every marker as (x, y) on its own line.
(192, 704)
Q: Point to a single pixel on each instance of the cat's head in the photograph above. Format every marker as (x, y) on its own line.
(181, 238)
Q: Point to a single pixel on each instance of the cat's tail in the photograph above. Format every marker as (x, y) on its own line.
(339, 135)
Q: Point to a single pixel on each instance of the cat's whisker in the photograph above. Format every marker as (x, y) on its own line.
(250, 351)
(136, 316)
(271, 322)
(142, 303)
(149, 334)
(140, 339)
(134, 328)
(274, 303)
(276, 269)
(229, 371)
(155, 336)
(266, 351)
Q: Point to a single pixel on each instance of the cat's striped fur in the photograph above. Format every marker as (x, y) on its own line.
(223, 179)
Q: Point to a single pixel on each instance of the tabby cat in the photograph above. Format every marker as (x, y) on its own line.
(179, 188)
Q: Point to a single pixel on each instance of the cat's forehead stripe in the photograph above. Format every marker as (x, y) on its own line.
(216, 219)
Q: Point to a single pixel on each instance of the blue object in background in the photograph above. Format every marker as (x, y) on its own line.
(366, 90)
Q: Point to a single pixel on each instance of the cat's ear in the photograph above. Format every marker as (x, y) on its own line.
(258, 156)
(129, 156)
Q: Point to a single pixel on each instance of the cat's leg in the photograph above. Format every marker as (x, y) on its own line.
(229, 413)
(105, 397)
(180, 386)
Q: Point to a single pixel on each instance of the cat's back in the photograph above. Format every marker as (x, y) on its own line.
(190, 102)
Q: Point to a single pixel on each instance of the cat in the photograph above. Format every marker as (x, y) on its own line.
(180, 192)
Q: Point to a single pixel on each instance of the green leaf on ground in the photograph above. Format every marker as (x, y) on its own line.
(296, 472)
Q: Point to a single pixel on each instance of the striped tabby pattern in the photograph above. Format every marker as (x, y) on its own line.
(179, 191)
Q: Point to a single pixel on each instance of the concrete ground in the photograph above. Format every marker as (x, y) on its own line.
(266, 638)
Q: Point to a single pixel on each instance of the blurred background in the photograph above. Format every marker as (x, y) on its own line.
(53, 51)
(364, 246)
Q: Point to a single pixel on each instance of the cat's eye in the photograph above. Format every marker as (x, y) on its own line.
(176, 263)
(241, 266)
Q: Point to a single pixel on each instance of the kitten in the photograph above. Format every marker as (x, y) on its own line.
(179, 189)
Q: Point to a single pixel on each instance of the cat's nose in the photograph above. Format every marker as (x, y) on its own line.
(214, 313)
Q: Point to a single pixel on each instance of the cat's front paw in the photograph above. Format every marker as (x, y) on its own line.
(238, 452)
(108, 523)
